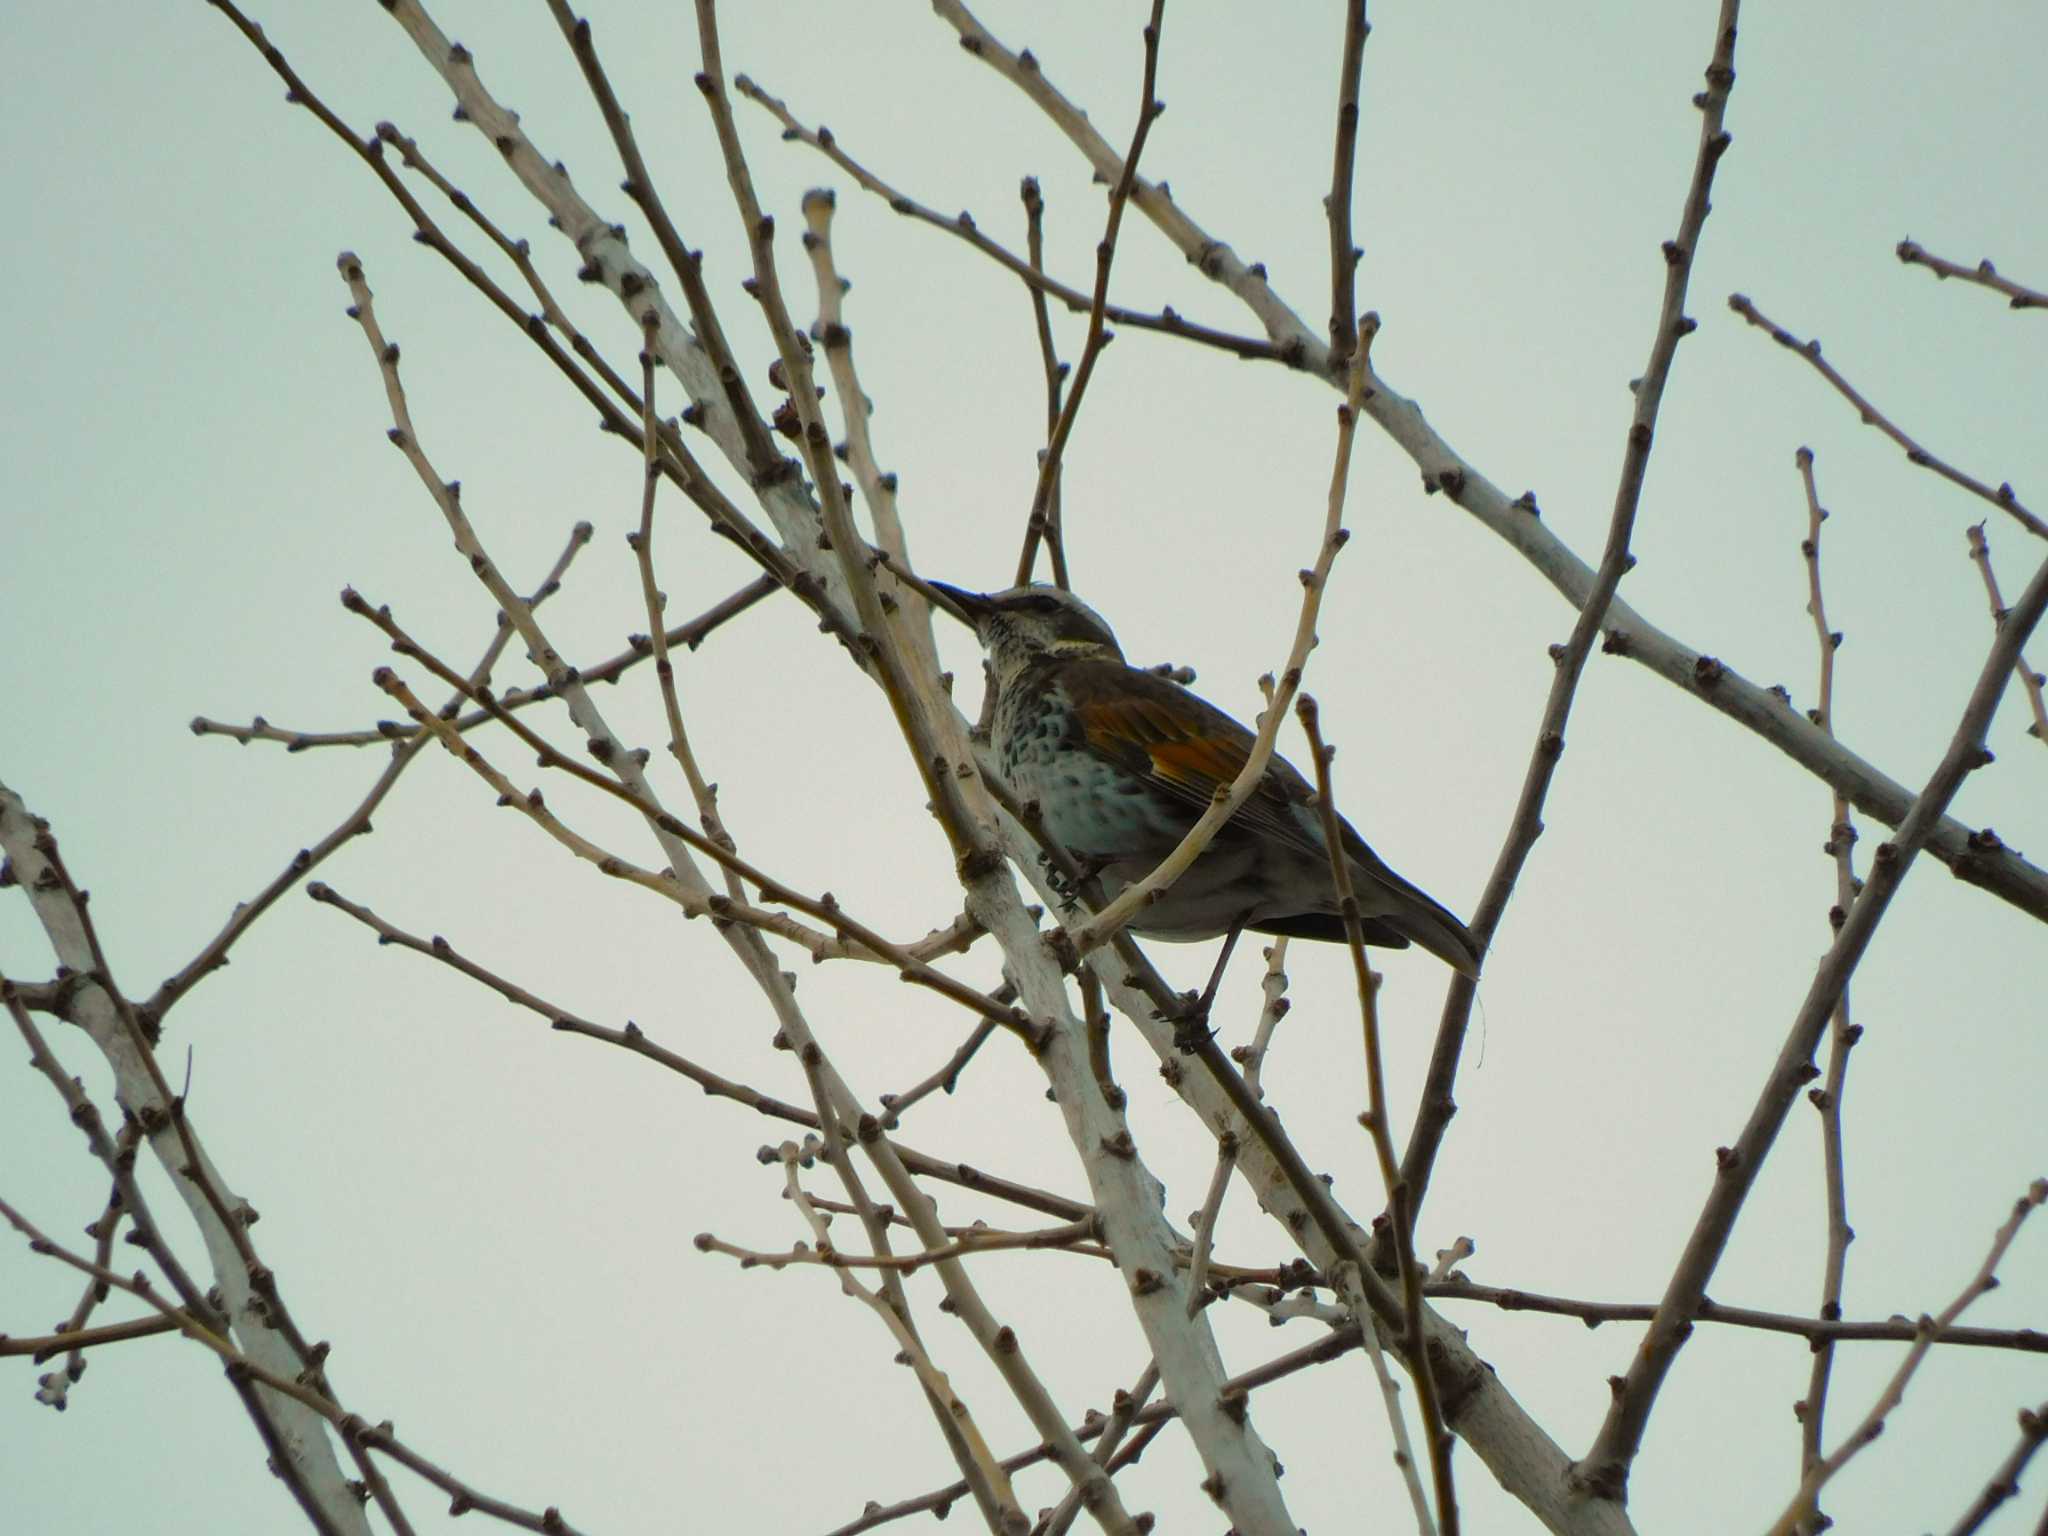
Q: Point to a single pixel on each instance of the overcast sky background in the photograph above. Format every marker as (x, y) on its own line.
(492, 1222)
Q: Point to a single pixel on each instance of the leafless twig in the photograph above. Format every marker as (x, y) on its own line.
(1802, 1507)
(357, 822)
(690, 634)
(1843, 1033)
(963, 226)
(2005, 1482)
(1149, 108)
(352, 1427)
(1606, 1465)
(1437, 1104)
(2030, 680)
(1047, 528)
(1343, 254)
(1983, 274)
(1376, 1119)
(2002, 497)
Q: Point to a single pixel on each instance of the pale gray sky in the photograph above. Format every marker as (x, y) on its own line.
(492, 1223)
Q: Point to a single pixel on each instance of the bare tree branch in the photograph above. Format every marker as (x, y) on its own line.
(1437, 1104)
(2030, 680)
(1606, 1466)
(1803, 1507)
(1983, 274)
(2002, 498)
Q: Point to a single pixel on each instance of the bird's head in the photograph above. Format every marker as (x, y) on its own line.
(1029, 624)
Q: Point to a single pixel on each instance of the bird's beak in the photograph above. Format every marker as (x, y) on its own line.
(967, 607)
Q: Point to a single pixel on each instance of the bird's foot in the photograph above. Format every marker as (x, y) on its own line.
(1191, 1025)
(1191, 1029)
(1069, 887)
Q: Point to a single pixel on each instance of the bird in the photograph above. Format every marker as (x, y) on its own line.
(1121, 762)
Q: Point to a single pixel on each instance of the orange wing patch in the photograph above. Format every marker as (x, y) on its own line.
(1201, 763)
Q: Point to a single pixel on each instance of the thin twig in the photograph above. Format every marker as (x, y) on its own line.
(1983, 274)
(946, 1077)
(1803, 1509)
(2005, 1482)
(633, 1038)
(764, 459)
(1075, 1237)
(1814, 1330)
(689, 634)
(988, 1478)
(45, 1346)
(702, 792)
(1377, 1117)
(1046, 528)
(1331, 1346)
(634, 284)
(2030, 680)
(963, 226)
(1843, 1033)
(877, 488)
(720, 908)
(1345, 1282)
(1251, 1058)
(1437, 1103)
(2001, 497)
(1149, 108)
(1343, 254)
(1123, 1408)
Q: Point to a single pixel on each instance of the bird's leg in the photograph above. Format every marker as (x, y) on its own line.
(1070, 888)
(1193, 1023)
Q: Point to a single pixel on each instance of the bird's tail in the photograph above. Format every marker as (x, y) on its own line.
(1410, 910)
(1436, 930)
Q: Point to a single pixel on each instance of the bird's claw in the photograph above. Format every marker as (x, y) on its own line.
(1191, 1029)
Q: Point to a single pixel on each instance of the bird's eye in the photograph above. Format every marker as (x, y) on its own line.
(1043, 605)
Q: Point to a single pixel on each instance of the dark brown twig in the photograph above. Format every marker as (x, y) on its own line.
(946, 1077)
(680, 466)
(1816, 1331)
(1048, 527)
(2030, 680)
(1842, 1034)
(2005, 1482)
(45, 1346)
(633, 1039)
(963, 227)
(764, 459)
(2001, 496)
(352, 1428)
(244, 1288)
(1124, 1407)
(721, 908)
(1437, 1104)
(1984, 275)
(1337, 1343)
(1343, 254)
(357, 822)
(1804, 1508)
(1149, 108)
(690, 635)
(1376, 1119)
